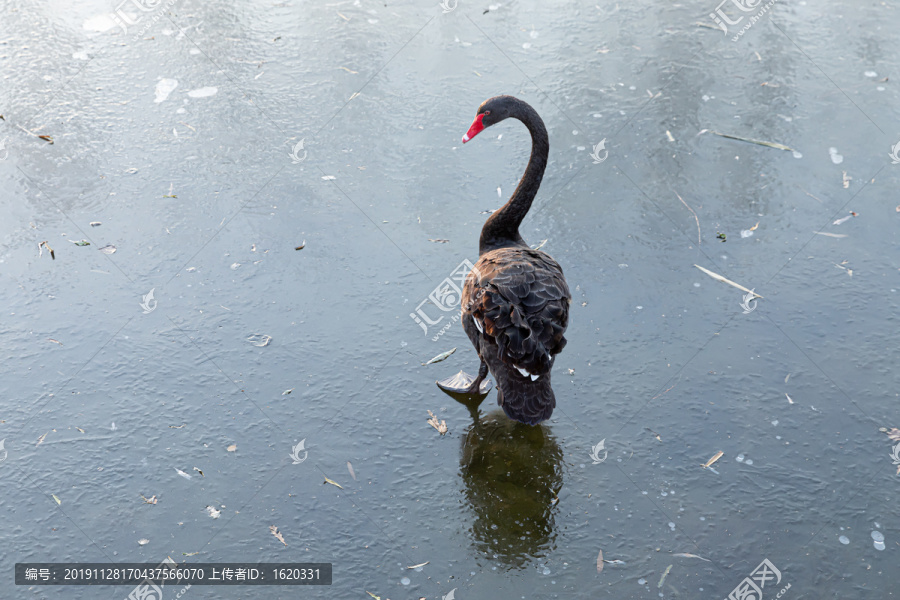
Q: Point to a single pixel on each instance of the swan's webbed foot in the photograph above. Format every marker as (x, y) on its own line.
(465, 384)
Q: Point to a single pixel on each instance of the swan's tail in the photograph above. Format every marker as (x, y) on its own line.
(527, 402)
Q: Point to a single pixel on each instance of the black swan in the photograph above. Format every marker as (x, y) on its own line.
(515, 302)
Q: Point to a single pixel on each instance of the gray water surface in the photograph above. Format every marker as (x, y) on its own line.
(205, 191)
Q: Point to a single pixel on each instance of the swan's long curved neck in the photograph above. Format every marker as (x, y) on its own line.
(502, 228)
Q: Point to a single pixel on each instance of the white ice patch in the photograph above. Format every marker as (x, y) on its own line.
(203, 92)
(835, 157)
(164, 87)
(100, 23)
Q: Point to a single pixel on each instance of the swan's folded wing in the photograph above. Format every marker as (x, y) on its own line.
(520, 299)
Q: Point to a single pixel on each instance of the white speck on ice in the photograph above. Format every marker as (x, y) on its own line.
(870, 74)
(844, 540)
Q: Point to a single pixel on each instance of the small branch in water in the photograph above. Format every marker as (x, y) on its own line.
(695, 216)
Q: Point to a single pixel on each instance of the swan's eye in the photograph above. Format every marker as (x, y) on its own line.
(487, 112)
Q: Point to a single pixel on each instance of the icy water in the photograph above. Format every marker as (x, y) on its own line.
(180, 134)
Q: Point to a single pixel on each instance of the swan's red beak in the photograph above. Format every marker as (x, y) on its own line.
(476, 128)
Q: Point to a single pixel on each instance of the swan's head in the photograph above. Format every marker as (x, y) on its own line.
(492, 110)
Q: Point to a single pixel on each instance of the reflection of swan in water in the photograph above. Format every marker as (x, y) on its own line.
(512, 475)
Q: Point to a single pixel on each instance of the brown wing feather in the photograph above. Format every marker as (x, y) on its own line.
(521, 298)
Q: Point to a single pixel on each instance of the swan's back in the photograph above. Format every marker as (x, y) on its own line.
(515, 311)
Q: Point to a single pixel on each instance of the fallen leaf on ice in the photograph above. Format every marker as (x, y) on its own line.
(789, 398)
(439, 357)
(419, 565)
(277, 534)
(232, 448)
(333, 483)
(664, 575)
(687, 555)
(441, 426)
(600, 562)
(845, 219)
(715, 457)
